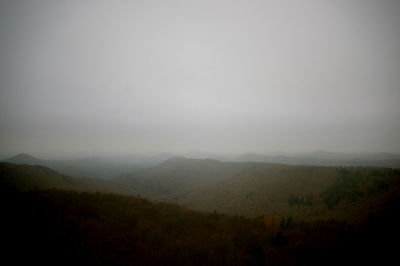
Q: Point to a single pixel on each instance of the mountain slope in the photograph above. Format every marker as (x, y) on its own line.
(71, 228)
(178, 176)
(234, 188)
(107, 229)
(250, 189)
(24, 158)
(28, 177)
(86, 167)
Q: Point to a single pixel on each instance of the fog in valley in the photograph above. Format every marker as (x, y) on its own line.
(90, 78)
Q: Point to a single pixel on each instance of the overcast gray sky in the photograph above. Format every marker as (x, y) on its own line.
(218, 76)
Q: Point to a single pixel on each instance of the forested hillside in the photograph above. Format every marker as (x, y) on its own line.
(28, 177)
(350, 220)
(254, 189)
(103, 168)
(72, 228)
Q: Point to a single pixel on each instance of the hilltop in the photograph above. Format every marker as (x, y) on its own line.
(29, 177)
(24, 158)
(103, 168)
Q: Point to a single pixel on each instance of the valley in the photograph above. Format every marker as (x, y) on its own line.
(202, 212)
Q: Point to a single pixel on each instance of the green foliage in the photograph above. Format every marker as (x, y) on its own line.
(352, 185)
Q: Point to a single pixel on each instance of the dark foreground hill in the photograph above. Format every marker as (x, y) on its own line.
(70, 228)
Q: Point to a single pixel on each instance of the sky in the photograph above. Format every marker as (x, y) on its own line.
(88, 77)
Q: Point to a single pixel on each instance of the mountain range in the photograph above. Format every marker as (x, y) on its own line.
(323, 158)
(251, 188)
(112, 166)
(104, 168)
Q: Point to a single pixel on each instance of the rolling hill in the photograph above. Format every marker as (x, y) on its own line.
(80, 228)
(104, 168)
(252, 189)
(73, 225)
(305, 193)
(29, 177)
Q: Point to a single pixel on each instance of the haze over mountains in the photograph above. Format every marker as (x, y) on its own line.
(105, 168)
(109, 167)
(236, 188)
(148, 132)
(219, 212)
(326, 158)
(243, 188)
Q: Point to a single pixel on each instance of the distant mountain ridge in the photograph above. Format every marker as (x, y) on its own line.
(324, 158)
(24, 158)
(86, 167)
(109, 167)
